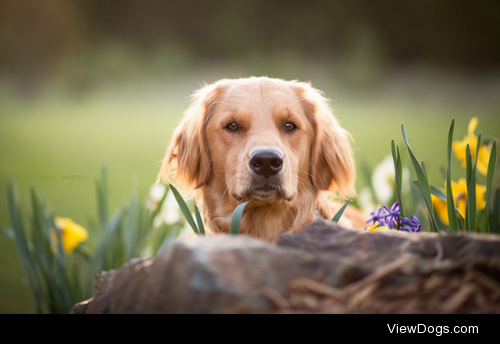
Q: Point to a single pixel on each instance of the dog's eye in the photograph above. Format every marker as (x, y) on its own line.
(289, 126)
(233, 126)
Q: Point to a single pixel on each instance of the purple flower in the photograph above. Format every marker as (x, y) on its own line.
(377, 216)
(411, 226)
(392, 215)
(388, 219)
(391, 218)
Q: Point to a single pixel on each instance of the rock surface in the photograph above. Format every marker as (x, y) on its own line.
(322, 269)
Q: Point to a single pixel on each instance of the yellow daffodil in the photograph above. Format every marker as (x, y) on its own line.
(72, 234)
(459, 147)
(376, 227)
(459, 191)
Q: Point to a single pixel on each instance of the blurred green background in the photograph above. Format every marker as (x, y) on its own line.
(87, 83)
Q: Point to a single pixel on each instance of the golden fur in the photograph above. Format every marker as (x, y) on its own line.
(213, 160)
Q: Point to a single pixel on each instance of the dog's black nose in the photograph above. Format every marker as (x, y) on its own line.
(266, 162)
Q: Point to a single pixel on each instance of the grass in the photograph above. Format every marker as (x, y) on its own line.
(46, 139)
(60, 271)
(128, 132)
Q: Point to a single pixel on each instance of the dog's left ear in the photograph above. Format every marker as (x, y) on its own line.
(332, 162)
(188, 156)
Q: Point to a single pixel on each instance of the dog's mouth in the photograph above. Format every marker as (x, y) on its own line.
(262, 192)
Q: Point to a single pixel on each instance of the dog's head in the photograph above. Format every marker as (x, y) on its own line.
(262, 139)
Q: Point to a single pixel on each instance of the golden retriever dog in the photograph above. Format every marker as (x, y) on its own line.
(272, 141)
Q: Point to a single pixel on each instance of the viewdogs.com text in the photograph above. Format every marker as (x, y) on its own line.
(437, 330)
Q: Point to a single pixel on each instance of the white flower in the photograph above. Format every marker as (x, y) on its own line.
(156, 192)
(383, 179)
(365, 201)
(169, 212)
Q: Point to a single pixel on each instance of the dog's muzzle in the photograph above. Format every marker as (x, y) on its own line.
(266, 182)
(266, 162)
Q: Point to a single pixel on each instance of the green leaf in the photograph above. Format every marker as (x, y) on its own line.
(438, 192)
(130, 234)
(495, 219)
(424, 169)
(485, 225)
(435, 191)
(471, 192)
(468, 172)
(474, 172)
(7, 232)
(450, 202)
(492, 163)
(234, 228)
(115, 221)
(102, 198)
(199, 220)
(424, 186)
(471, 187)
(25, 255)
(461, 220)
(337, 216)
(107, 254)
(491, 170)
(398, 170)
(184, 208)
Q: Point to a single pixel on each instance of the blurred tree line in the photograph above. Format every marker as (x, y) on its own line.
(47, 38)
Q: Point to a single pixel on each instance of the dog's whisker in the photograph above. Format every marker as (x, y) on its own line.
(304, 189)
(315, 172)
(302, 184)
(227, 186)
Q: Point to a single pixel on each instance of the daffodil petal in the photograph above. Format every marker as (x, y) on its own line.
(376, 227)
(441, 209)
(379, 228)
(472, 126)
(72, 234)
(483, 159)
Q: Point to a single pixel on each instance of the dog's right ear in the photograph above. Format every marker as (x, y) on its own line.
(187, 161)
(332, 161)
